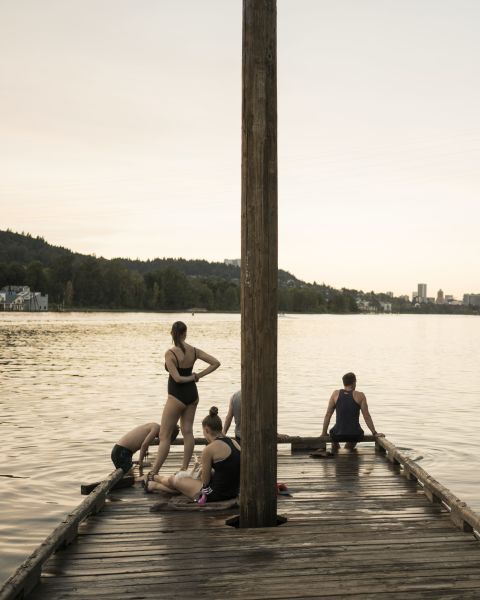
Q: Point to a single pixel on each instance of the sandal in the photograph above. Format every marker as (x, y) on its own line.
(282, 489)
(146, 480)
(320, 453)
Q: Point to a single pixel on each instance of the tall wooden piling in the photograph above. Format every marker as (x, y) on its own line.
(258, 501)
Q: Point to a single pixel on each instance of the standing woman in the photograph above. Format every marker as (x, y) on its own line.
(182, 398)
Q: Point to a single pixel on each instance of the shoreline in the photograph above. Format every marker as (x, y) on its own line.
(87, 310)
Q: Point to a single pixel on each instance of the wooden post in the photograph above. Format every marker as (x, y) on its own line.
(258, 497)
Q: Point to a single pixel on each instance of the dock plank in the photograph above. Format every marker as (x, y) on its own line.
(356, 529)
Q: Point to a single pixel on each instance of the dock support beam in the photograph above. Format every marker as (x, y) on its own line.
(258, 497)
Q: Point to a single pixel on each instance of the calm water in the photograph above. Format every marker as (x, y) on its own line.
(70, 385)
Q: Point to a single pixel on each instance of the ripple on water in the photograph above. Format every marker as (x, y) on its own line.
(71, 384)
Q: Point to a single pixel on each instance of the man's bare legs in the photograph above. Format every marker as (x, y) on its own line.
(171, 413)
(350, 446)
(335, 447)
(186, 426)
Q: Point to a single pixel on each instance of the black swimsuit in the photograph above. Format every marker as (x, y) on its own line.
(185, 392)
(225, 482)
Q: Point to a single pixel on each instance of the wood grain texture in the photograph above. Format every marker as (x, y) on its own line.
(259, 269)
(356, 529)
(28, 574)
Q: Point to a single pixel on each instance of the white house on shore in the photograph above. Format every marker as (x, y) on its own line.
(20, 298)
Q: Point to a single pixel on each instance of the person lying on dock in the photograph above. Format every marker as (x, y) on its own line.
(219, 476)
(235, 413)
(138, 438)
(348, 403)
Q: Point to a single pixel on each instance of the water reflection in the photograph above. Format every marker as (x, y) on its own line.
(71, 384)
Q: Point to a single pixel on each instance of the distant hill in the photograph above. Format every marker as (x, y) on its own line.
(24, 249)
(74, 280)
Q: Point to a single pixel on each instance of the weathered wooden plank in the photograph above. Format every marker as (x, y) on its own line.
(28, 574)
(437, 594)
(149, 528)
(462, 515)
(329, 572)
(313, 586)
(340, 537)
(125, 482)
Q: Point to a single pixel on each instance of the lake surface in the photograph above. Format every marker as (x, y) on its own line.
(72, 384)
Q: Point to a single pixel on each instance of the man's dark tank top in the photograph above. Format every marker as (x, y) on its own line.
(226, 478)
(348, 415)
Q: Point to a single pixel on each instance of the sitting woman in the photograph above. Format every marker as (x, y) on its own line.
(220, 468)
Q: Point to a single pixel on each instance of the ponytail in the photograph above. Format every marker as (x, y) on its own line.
(179, 329)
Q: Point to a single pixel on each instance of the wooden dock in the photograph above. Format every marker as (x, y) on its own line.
(359, 526)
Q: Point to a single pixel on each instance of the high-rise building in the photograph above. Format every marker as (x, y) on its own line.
(471, 299)
(422, 292)
(440, 297)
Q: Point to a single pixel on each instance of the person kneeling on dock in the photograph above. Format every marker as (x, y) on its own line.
(219, 478)
(348, 403)
(138, 438)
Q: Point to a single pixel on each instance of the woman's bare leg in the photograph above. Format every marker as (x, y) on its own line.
(186, 425)
(153, 486)
(172, 411)
(161, 483)
(189, 487)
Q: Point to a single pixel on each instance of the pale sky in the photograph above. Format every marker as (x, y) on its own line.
(120, 127)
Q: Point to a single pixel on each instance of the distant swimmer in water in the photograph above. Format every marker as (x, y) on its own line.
(138, 438)
(182, 400)
(219, 476)
(348, 403)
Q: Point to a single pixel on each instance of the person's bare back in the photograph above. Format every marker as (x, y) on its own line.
(134, 439)
(138, 438)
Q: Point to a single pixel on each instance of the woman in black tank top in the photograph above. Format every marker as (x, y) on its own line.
(220, 471)
(182, 397)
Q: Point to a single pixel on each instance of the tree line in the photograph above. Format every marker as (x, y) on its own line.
(81, 282)
(75, 280)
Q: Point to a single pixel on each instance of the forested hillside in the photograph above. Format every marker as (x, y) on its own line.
(77, 280)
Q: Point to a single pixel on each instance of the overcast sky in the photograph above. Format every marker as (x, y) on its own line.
(120, 134)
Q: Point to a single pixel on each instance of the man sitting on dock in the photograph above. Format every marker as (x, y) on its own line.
(138, 438)
(348, 403)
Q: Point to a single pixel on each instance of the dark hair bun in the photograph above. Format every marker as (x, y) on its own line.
(213, 411)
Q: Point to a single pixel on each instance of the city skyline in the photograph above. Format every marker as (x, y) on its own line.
(123, 134)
